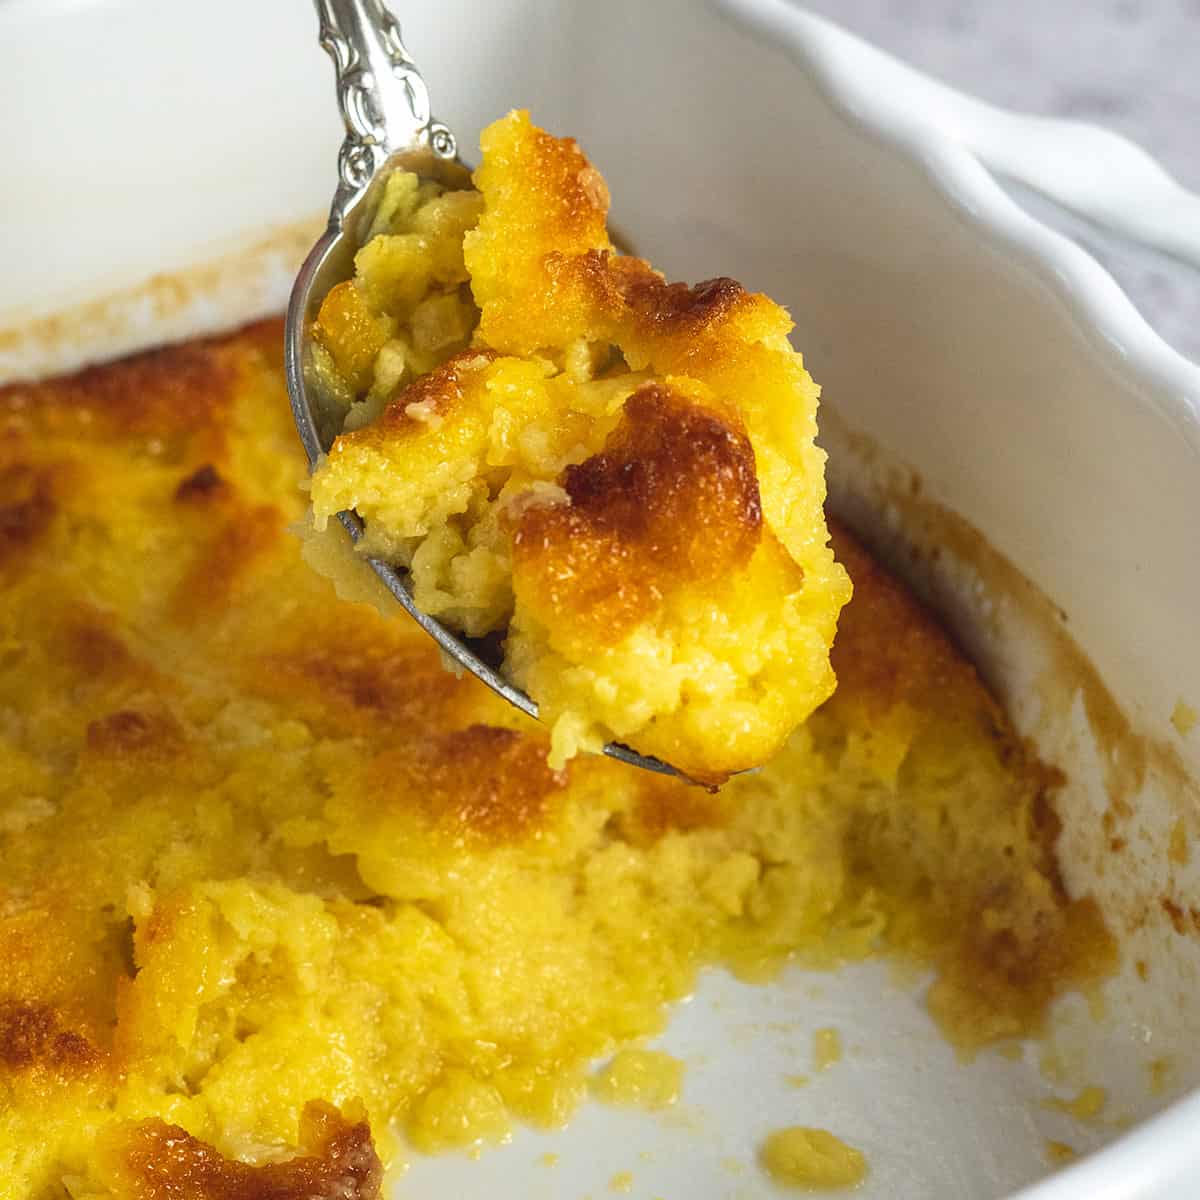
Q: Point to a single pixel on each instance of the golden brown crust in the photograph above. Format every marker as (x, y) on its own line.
(482, 783)
(175, 394)
(673, 806)
(674, 324)
(92, 648)
(672, 500)
(201, 485)
(33, 1038)
(156, 1161)
(435, 394)
(571, 284)
(675, 310)
(172, 402)
(244, 538)
(889, 649)
(1183, 920)
(363, 683)
(560, 186)
(129, 733)
(27, 510)
(1002, 976)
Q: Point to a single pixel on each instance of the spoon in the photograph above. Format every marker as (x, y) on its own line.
(385, 107)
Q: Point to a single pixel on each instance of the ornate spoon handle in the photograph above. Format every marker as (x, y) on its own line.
(384, 100)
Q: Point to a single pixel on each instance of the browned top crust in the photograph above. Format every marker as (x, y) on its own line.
(90, 645)
(156, 1161)
(33, 1038)
(889, 649)
(363, 684)
(129, 734)
(435, 394)
(665, 805)
(205, 483)
(124, 513)
(672, 500)
(176, 396)
(235, 546)
(558, 260)
(565, 190)
(675, 308)
(481, 784)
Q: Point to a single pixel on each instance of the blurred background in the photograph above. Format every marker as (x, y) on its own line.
(1131, 65)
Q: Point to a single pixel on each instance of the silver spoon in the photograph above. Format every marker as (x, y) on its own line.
(385, 106)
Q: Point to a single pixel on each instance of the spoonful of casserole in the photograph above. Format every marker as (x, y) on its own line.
(597, 490)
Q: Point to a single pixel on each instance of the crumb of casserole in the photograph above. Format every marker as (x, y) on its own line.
(812, 1159)
(1060, 1153)
(618, 472)
(649, 1079)
(827, 1048)
(258, 850)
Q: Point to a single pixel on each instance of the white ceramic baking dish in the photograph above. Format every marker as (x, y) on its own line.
(1003, 383)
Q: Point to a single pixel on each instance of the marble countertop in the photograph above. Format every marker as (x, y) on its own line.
(1131, 65)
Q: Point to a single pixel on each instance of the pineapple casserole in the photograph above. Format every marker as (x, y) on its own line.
(281, 908)
(616, 473)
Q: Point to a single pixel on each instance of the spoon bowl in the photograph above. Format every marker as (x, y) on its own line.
(385, 106)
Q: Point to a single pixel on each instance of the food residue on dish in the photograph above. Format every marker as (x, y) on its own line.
(647, 1079)
(827, 1049)
(1086, 1105)
(1060, 1153)
(616, 473)
(813, 1159)
(1184, 718)
(622, 1182)
(1161, 1070)
(1179, 850)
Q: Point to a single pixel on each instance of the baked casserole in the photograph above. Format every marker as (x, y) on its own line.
(282, 902)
